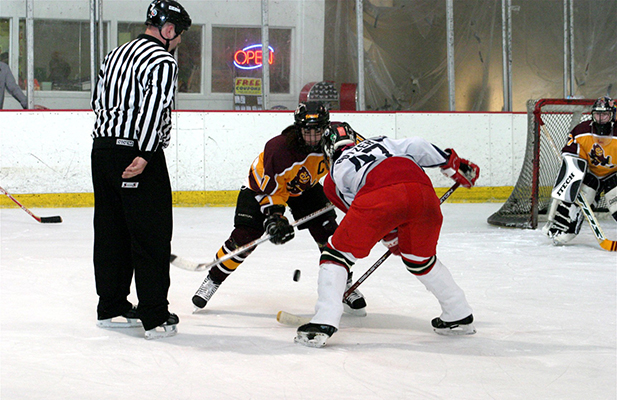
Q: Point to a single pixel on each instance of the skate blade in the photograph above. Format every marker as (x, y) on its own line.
(161, 332)
(311, 339)
(360, 312)
(468, 329)
(120, 323)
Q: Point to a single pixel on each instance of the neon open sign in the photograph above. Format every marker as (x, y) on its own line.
(248, 58)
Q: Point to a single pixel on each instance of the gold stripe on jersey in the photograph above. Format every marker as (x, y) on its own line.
(257, 171)
(290, 182)
(600, 152)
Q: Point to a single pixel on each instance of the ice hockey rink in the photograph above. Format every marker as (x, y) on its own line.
(545, 319)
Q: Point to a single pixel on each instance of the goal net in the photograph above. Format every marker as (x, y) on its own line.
(548, 123)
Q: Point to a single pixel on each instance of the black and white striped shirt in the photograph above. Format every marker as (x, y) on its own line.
(135, 92)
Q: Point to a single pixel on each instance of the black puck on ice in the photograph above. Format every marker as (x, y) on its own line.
(297, 275)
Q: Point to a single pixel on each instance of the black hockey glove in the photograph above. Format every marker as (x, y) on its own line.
(277, 226)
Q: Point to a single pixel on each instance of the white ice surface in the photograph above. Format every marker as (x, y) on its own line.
(545, 317)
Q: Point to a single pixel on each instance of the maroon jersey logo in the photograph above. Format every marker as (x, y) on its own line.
(301, 182)
(597, 157)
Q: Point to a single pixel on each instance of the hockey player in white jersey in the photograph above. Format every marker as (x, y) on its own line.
(380, 184)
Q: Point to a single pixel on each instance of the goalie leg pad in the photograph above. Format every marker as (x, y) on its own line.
(611, 200)
(564, 222)
(589, 193)
(569, 179)
(609, 187)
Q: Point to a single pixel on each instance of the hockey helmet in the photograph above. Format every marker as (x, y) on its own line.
(336, 136)
(162, 11)
(311, 115)
(308, 116)
(603, 115)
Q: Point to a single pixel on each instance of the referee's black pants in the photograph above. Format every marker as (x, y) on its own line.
(132, 232)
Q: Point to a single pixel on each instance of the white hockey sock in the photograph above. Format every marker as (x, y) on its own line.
(330, 289)
(453, 303)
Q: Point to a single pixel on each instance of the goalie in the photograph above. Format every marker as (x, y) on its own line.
(589, 166)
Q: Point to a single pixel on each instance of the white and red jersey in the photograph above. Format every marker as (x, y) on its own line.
(379, 162)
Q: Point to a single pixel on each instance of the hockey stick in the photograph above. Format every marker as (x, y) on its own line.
(290, 319)
(193, 266)
(605, 243)
(44, 220)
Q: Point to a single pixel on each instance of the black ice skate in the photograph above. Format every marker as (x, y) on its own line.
(204, 293)
(128, 319)
(314, 335)
(461, 327)
(166, 329)
(354, 303)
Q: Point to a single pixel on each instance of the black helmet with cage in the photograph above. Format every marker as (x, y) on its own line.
(162, 11)
(335, 137)
(310, 115)
(603, 116)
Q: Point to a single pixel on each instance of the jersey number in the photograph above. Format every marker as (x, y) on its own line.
(360, 160)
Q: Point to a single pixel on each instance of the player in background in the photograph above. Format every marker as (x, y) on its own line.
(387, 196)
(593, 143)
(7, 81)
(286, 173)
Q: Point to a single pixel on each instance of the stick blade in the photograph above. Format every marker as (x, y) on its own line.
(51, 220)
(610, 245)
(183, 263)
(286, 318)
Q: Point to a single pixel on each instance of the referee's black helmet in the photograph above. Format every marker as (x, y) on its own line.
(162, 11)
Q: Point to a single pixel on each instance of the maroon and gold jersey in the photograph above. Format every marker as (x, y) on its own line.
(600, 152)
(280, 172)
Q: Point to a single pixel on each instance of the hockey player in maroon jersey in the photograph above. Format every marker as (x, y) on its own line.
(286, 173)
(592, 145)
(381, 186)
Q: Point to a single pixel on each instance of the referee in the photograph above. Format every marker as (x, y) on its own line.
(132, 101)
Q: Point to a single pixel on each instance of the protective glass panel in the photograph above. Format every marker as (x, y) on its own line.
(189, 54)
(61, 55)
(5, 38)
(236, 53)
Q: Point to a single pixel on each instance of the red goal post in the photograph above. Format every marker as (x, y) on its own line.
(549, 121)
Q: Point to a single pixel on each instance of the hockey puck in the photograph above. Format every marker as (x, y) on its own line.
(297, 275)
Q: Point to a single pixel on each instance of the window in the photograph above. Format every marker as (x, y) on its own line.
(189, 54)
(4, 39)
(227, 42)
(61, 55)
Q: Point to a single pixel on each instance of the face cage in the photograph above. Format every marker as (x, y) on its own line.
(597, 116)
(304, 146)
